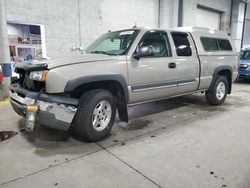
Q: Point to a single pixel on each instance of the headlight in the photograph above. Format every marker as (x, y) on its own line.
(38, 75)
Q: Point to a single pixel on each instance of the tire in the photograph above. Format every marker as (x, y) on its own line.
(217, 94)
(91, 123)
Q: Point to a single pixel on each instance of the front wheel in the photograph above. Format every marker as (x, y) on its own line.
(95, 115)
(217, 94)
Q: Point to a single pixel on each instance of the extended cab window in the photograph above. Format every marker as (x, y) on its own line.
(159, 42)
(182, 44)
(209, 44)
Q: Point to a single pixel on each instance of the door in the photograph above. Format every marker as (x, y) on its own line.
(153, 77)
(187, 62)
(208, 18)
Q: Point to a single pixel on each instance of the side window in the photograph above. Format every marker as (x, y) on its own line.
(224, 44)
(182, 44)
(209, 44)
(159, 42)
(213, 44)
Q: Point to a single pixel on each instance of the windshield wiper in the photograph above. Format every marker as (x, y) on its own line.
(99, 52)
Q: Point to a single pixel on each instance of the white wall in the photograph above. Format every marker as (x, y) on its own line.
(223, 6)
(169, 13)
(206, 18)
(248, 10)
(61, 23)
(246, 38)
(100, 16)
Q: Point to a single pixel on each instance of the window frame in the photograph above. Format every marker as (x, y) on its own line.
(228, 42)
(168, 43)
(216, 38)
(189, 41)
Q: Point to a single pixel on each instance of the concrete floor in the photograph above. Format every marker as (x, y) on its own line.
(177, 143)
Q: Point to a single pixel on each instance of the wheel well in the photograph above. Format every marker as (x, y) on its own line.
(113, 87)
(228, 74)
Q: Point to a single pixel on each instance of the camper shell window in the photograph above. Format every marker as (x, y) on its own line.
(214, 44)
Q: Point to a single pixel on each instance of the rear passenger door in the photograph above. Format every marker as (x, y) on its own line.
(187, 62)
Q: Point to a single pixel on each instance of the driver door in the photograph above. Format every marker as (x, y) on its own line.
(153, 77)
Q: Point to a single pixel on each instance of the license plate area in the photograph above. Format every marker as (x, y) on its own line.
(31, 116)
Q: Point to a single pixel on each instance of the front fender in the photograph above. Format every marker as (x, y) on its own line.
(73, 83)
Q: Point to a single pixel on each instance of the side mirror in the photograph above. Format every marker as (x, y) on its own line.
(143, 52)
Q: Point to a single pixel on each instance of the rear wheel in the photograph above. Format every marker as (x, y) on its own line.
(218, 92)
(95, 115)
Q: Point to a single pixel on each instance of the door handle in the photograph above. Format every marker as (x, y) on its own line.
(172, 65)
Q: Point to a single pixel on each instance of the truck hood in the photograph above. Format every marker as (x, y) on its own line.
(74, 59)
(82, 58)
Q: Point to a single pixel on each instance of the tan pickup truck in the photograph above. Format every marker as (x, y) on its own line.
(123, 68)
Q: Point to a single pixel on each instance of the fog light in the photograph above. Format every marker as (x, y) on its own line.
(31, 114)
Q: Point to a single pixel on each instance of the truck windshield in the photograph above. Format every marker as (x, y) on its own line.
(245, 55)
(113, 43)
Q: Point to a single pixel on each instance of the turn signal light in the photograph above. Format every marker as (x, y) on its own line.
(45, 72)
(32, 108)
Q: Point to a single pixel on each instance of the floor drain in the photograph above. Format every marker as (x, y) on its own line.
(4, 135)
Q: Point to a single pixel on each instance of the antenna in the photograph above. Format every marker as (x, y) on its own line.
(135, 26)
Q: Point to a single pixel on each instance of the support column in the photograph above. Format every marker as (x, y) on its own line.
(237, 22)
(4, 47)
(168, 13)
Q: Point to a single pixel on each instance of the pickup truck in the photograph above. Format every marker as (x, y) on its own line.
(119, 69)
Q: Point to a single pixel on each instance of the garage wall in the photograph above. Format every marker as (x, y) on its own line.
(168, 13)
(208, 18)
(246, 38)
(222, 6)
(100, 16)
(60, 19)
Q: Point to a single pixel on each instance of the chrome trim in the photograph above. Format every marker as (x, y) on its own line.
(22, 100)
(61, 112)
(153, 88)
(161, 85)
(165, 98)
(186, 83)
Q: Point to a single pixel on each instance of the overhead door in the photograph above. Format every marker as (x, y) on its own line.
(208, 18)
(246, 39)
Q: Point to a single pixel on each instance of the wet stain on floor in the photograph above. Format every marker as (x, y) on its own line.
(4, 135)
(137, 124)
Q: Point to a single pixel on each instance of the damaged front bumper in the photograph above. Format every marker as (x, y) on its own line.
(54, 111)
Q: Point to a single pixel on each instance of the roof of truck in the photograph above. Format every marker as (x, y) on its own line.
(201, 30)
(191, 29)
(197, 33)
